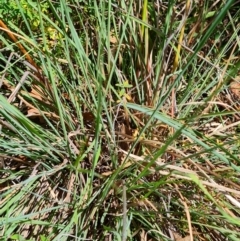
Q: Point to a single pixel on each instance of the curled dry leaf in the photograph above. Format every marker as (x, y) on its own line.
(235, 89)
(178, 237)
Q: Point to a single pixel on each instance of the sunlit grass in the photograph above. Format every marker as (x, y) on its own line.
(114, 141)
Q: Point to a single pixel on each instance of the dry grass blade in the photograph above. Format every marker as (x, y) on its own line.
(190, 237)
(182, 173)
(18, 87)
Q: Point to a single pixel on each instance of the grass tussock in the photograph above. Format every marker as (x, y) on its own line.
(119, 120)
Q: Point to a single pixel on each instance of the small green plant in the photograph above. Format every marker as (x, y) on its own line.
(123, 90)
(23, 11)
(14, 10)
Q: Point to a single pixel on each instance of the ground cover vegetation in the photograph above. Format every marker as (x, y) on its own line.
(119, 120)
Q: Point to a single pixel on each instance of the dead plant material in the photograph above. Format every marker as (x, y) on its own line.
(182, 200)
(235, 90)
(35, 93)
(221, 79)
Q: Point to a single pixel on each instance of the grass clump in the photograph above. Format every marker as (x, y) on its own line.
(119, 121)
